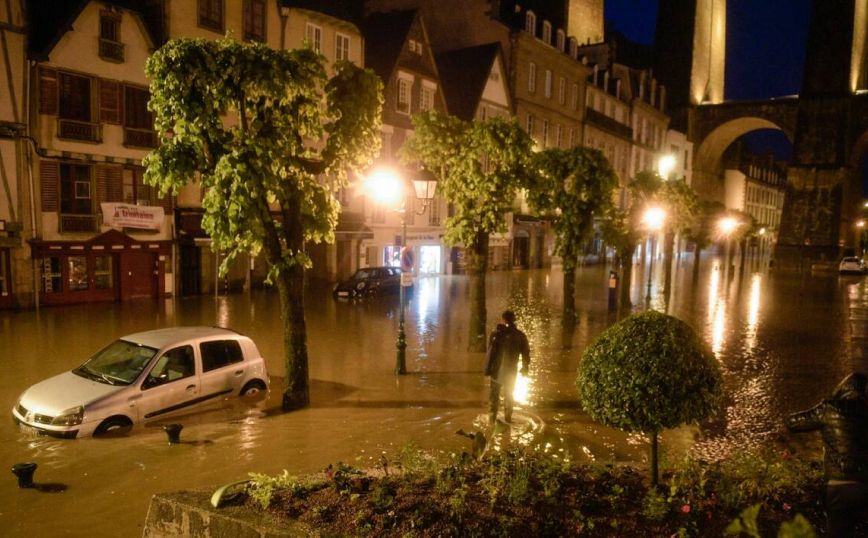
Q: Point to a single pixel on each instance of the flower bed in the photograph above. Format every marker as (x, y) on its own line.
(518, 493)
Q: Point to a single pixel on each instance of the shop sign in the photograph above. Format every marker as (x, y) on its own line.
(132, 216)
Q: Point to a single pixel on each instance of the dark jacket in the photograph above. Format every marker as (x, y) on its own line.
(843, 422)
(505, 346)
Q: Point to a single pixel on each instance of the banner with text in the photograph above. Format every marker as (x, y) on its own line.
(143, 217)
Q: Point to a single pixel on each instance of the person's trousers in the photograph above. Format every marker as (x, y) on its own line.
(845, 501)
(494, 400)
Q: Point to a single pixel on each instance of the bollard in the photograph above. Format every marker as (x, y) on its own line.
(24, 472)
(613, 291)
(174, 433)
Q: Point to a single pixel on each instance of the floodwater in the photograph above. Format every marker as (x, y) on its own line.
(783, 342)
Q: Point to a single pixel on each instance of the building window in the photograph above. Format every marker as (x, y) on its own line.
(76, 273)
(135, 191)
(110, 46)
(529, 124)
(561, 40)
(531, 77)
(415, 46)
(52, 277)
(102, 272)
(426, 98)
(138, 121)
(211, 14)
(562, 90)
(548, 84)
(313, 36)
(404, 95)
(254, 20)
(572, 137)
(530, 23)
(547, 33)
(75, 97)
(342, 47)
(545, 133)
(558, 135)
(75, 191)
(434, 213)
(575, 104)
(574, 48)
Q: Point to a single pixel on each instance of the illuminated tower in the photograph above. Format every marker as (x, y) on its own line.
(585, 20)
(690, 50)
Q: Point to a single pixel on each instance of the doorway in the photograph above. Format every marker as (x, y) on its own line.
(429, 259)
(138, 275)
(191, 259)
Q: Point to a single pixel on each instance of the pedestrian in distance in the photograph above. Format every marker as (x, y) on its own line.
(843, 423)
(506, 345)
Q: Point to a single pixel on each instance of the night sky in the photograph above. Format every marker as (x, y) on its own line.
(765, 52)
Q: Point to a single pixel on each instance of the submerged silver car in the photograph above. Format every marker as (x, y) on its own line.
(144, 376)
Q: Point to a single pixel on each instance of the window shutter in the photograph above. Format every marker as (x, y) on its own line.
(165, 202)
(47, 91)
(109, 101)
(109, 187)
(49, 175)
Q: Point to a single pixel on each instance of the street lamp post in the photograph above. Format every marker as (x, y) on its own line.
(727, 226)
(653, 220)
(386, 186)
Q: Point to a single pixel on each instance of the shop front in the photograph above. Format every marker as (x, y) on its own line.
(109, 267)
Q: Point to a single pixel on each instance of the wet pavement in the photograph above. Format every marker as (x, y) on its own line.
(783, 341)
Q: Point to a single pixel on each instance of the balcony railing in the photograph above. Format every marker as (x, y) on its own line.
(605, 122)
(143, 138)
(111, 50)
(78, 223)
(78, 130)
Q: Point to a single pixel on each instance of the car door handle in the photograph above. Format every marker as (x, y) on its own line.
(239, 373)
(191, 388)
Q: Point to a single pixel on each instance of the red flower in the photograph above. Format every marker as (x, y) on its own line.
(786, 455)
(786, 507)
(685, 508)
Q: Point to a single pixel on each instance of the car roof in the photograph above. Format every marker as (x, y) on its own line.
(850, 259)
(159, 338)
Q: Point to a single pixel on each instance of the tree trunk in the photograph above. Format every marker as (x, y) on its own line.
(296, 392)
(290, 286)
(477, 265)
(569, 292)
(655, 478)
(697, 256)
(668, 248)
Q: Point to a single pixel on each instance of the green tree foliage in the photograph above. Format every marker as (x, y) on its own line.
(703, 228)
(682, 204)
(648, 373)
(575, 185)
(479, 165)
(269, 137)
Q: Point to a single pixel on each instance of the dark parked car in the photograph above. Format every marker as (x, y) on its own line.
(370, 281)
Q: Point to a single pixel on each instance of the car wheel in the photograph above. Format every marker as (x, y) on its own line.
(253, 388)
(114, 426)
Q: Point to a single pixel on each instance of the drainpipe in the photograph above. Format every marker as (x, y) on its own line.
(29, 164)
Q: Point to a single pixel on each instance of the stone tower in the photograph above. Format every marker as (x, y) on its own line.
(690, 50)
(585, 20)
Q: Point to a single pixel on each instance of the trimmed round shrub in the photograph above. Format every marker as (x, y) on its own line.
(648, 373)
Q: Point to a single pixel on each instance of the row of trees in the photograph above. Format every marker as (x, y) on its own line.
(270, 138)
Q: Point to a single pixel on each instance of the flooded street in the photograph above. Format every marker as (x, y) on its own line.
(783, 342)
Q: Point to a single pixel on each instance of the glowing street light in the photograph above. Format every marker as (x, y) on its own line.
(387, 187)
(860, 224)
(727, 226)
(665, 165)
(653, 219)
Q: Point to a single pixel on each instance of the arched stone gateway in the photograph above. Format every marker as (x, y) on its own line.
(827, 122)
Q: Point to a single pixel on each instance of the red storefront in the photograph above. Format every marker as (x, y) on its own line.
(109, 267)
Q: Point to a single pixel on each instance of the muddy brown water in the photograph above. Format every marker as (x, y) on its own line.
(782, 341)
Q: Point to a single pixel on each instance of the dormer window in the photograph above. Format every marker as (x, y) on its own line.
(405, 92)
(110, 46)
(342, 46)
(561, 40)
(574, 48)
(416, 46)
(530, 23)
(547, 33)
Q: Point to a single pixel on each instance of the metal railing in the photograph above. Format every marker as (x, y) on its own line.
(78, 223)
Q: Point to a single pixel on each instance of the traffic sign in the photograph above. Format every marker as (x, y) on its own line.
(408, 259)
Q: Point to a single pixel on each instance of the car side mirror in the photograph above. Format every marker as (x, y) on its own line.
(152, 382)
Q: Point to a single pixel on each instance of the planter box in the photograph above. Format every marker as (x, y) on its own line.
(189, 514)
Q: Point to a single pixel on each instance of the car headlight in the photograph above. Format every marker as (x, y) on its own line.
(70, 417)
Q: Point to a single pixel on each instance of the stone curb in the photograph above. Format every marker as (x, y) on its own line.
(189, 514)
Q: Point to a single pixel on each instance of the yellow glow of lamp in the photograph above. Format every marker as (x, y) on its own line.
(860, 224)
(727, 225)
(654, 218)
(666, 165)
(385, 186)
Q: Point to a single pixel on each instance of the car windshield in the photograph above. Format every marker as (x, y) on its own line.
(119, 363)
(852, 260)
(362, 274)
